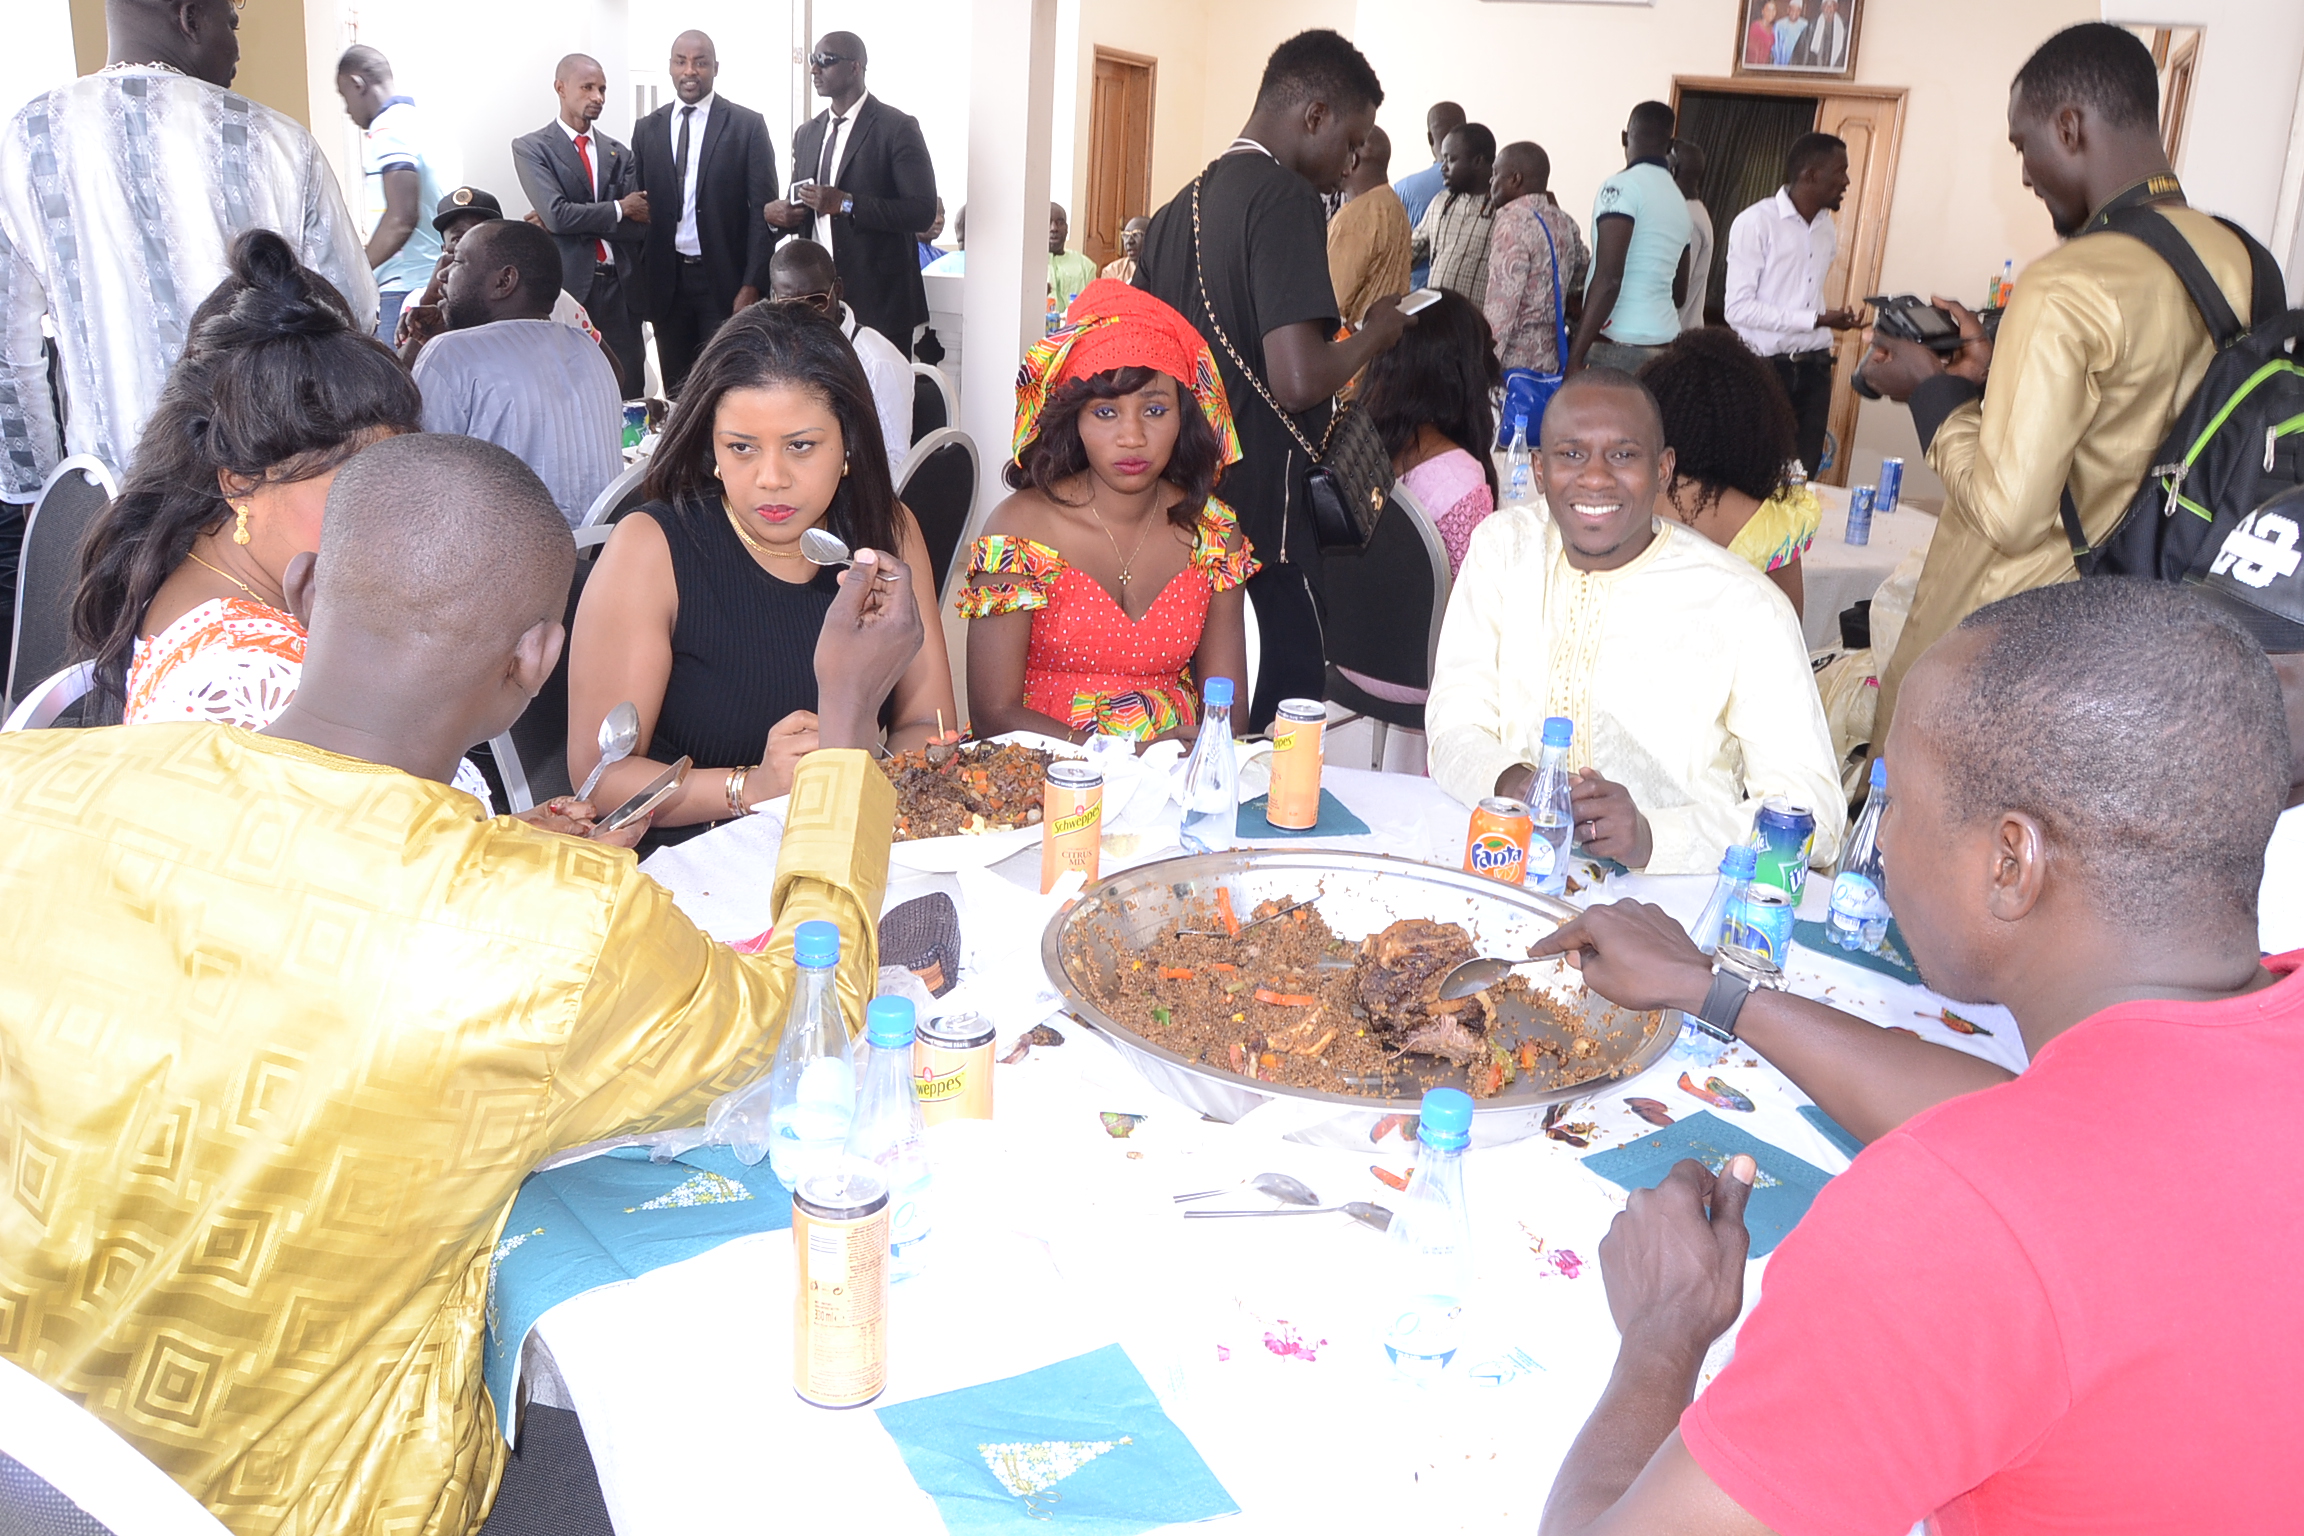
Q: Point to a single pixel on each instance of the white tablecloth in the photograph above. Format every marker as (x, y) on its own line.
(1052, 1238)
(1836, 574)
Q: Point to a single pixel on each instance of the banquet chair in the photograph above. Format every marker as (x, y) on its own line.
(527, 764)
(933, 408)
(619, 495)
(940, 487)
(64, 1472)
(1385, 604)
(80, 487)
(49, 701)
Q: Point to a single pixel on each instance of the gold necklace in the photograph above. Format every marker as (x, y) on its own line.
(1128, 560)
(236, 581)
(736, 522)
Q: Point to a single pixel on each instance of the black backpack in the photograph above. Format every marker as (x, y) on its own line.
(2237, 444)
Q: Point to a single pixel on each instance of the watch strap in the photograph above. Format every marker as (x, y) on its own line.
(1723, 1002)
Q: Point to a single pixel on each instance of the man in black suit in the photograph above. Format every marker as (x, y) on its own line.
(584, 187)
(863, 187)
(1826, 45)
(707, 166)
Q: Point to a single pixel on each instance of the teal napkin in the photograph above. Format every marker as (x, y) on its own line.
(1781, 1195)
(1081, 1445)
(606, 1219)
(1893, 960)
(1335, 821)
(1831, 1130)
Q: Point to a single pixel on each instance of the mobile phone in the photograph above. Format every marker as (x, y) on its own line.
(658, 790)
(1419, 301)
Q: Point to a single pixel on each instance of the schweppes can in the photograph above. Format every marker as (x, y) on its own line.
(952, 1068)
(1294, 800)
(1071, 821)
(840, 1301)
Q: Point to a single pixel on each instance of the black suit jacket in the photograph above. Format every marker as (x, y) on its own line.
(578, 216)
(1812, 50)
(884, 166)
(735, 180)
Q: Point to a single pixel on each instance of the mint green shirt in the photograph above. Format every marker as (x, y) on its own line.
(1645, 315)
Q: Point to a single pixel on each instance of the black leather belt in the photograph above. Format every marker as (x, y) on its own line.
(691, 261)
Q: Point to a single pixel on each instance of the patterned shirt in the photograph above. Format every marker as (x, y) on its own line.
(119, 195)
(1453, 237)
(1525, 292)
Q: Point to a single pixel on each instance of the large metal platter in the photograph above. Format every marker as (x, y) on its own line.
(1124, 916)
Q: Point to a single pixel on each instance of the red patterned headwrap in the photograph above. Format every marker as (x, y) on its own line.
(1112, 325)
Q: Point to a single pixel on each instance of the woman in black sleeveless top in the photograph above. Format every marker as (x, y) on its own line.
(702, 610)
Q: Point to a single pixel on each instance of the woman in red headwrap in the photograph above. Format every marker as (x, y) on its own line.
(1107, 589)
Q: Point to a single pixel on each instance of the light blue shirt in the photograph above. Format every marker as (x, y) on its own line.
(1416, 191)
(1788, 34)
(540, 390)
(395, 139)
(1645, 315)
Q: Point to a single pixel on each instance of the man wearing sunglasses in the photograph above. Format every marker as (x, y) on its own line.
(862, 187)
(802, 273)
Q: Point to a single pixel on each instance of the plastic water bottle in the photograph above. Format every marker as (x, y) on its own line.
(1737, 867)
(1548, 807)
(1859, 907)
(1521, 480)
(1211, 793)
(1431, 1243)
(812, 1083)
(889, 1133)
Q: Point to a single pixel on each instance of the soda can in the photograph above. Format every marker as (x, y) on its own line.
(1783, 833)
(1294, 800)
(1891, 485)
(1496, 846)
(1071, 821)
(840, 1301)
(1762, 923)
(635, 422)
(952, 1068)
(1860, 515)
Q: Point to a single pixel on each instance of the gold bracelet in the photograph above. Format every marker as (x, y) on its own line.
(736, 804)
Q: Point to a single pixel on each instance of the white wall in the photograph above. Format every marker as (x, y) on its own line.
(39, 52)
(2244, 92)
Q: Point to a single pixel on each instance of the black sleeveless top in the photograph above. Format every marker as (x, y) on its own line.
(743, 646)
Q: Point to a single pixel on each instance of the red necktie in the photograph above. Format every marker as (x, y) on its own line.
(591, 181)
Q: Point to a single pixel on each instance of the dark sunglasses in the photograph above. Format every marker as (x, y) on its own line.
(827, 60)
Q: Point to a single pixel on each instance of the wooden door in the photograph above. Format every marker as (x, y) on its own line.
(1871, 120)
(1119, 151)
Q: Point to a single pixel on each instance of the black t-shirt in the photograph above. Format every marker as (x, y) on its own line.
(1264, 250)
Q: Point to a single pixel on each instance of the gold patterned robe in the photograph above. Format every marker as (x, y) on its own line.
(280, 1034)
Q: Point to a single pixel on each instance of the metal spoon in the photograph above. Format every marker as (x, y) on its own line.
(1278, 1185)
(822, 547)
(1359, 1210)
(619, 734)
(1479, 975)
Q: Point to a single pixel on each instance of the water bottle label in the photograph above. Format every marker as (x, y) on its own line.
(1542, 856)
(1857, 898)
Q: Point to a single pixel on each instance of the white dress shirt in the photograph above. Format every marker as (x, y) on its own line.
(1776, 267)
(840, 128)
(1699, 265)
(891, 379)
(684, 239)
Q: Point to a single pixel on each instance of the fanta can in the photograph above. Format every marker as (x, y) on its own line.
(1496, 847)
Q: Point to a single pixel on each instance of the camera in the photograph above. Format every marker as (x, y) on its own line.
(1912, 319)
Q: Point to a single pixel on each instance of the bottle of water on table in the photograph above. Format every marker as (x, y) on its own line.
(1211, 791)
(1431, 1244)
(1549, 841)
(1737, 867)
(812, 1082)
(1520, 479)
(1859, 906)
(889, 1133)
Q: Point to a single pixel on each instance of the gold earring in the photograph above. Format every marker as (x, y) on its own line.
(239, 522)
(844, 469)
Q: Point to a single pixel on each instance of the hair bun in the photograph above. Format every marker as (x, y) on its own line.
(279, 293)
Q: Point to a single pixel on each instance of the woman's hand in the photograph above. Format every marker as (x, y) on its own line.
(789, 740)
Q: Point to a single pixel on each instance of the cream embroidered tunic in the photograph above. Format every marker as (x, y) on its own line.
(1684, 671)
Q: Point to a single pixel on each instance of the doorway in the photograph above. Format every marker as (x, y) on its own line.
(1119, 150)
(1745, 127)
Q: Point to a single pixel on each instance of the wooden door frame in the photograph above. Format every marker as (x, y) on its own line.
(1861, 281)
(1151, 67)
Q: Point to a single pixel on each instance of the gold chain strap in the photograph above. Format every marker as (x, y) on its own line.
(1200, 274)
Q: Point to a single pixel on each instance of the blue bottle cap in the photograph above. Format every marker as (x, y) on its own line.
(1521, 421)
(1445, 1121)
(1879, 773)
(816, 944)
(1559, 730)
(1217, 690)
(888, 1022)
(1740, 862)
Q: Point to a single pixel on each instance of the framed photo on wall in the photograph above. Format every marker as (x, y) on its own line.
(1798, 37)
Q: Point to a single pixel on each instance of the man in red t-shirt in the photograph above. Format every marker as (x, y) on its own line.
(2043, 1304)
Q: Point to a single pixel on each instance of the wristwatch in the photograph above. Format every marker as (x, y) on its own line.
(1737, 973)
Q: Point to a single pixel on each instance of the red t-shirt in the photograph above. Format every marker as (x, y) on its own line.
(2071, 1303)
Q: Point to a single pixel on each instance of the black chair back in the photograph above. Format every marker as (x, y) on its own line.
(79, 488)
(940, 488)
(929, 411)
(1384, 608)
